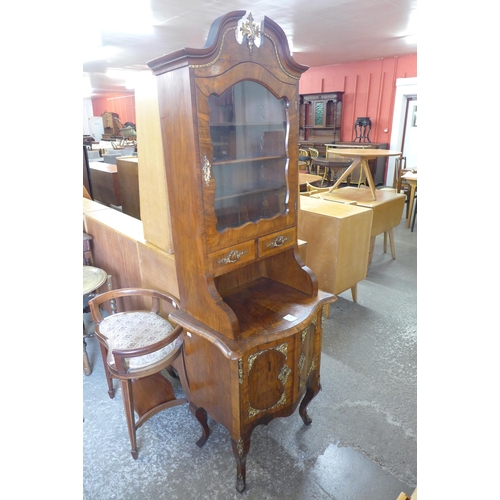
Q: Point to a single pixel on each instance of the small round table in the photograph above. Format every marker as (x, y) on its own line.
(93, 278)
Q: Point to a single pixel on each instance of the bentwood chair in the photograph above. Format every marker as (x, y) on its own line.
(136, 345)
(314, 153)
(305, 159)
(315, 189)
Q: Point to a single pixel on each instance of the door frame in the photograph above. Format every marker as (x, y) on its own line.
(405, 88)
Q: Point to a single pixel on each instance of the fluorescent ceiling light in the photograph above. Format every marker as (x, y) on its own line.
(411, 38)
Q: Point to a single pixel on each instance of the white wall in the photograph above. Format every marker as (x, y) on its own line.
(88, 111)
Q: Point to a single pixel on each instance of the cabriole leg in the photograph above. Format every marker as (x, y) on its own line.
(201, 415)
(240, 451)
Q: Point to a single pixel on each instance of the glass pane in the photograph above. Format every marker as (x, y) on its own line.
(319, 112)
(248, 127)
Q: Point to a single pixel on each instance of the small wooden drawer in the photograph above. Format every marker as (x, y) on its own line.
(276, 242)
(228, 259)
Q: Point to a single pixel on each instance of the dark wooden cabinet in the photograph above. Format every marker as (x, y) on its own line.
(251, 309)
(320, 118)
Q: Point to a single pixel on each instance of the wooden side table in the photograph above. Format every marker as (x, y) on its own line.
(93, 279)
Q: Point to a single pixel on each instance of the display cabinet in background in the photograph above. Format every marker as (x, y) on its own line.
(320, 119)
(251, 310)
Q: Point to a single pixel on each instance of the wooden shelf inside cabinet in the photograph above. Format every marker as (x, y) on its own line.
(266, 309)
(320, 127)
(251, 191)
(233, 161)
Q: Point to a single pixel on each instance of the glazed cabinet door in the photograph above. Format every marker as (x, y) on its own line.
(244, 150)
(248, 132)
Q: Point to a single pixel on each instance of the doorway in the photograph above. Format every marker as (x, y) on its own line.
(409, 141)
(404, 126)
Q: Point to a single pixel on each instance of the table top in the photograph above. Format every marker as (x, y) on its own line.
(331, 162)
(409, 176)
(350, 146)
(104, 167)
(369, 152)
(303, 178)
(93, 278)
(361, 195)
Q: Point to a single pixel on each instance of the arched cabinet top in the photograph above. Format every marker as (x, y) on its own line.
(235, 38)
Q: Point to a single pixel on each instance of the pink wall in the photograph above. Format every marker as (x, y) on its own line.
(369, 87)
(124, 105)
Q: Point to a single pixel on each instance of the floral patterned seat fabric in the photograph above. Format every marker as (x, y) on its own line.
(129, 330)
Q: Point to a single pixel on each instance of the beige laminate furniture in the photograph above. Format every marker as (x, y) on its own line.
(304, 179)
(360, 158)
(404, 496)
(338, 242)
(387, 211)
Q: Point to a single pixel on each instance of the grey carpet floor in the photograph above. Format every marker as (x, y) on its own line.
(363, 439)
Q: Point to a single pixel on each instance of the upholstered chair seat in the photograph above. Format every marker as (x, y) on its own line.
(132, 330)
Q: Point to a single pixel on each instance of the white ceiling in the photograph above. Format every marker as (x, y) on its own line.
(320, 32)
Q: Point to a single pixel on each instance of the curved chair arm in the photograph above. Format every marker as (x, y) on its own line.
(155, 295)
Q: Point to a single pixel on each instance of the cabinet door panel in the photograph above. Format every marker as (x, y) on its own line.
(244, 134)
(247, 130)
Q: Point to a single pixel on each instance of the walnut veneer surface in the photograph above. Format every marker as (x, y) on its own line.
(251, 309)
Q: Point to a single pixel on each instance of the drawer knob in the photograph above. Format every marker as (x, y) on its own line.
(232, 256)
(278, 241)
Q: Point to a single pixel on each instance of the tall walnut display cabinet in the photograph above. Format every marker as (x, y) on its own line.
(251, 309)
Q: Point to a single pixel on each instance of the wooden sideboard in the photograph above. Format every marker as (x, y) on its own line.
(105, 183)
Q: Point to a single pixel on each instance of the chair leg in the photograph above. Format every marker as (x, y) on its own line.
(109, 379)
(87, 369)
(414, 216)
(128, 403)
(391, 241)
